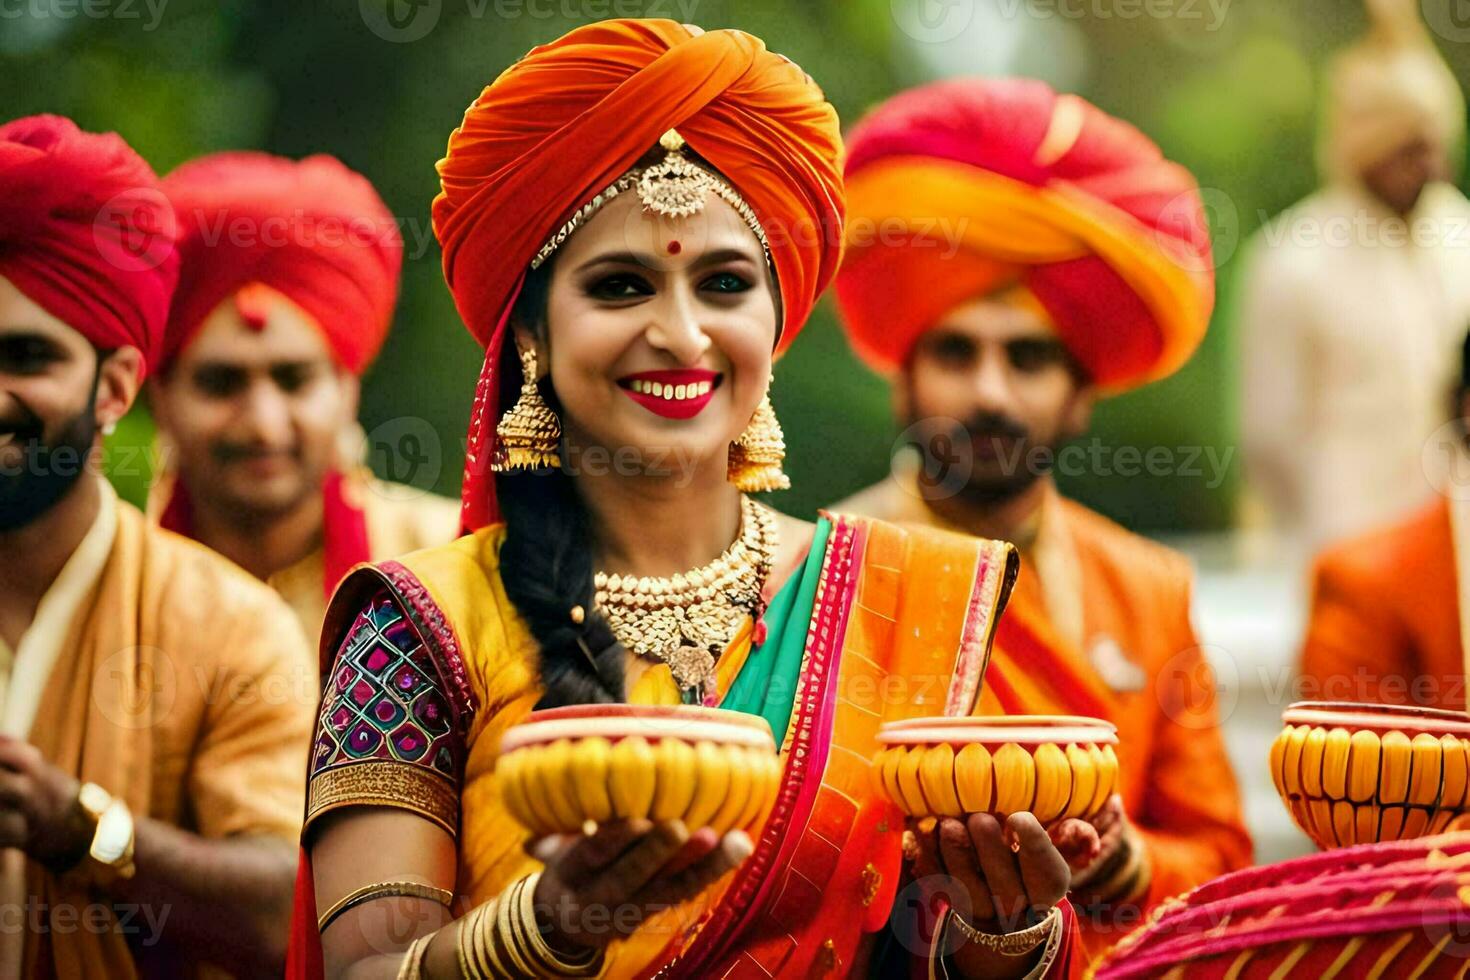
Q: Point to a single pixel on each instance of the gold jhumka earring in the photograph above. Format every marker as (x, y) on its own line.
(528, 436)
(756, 457)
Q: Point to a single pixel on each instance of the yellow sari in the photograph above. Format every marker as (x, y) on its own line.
(898, 625)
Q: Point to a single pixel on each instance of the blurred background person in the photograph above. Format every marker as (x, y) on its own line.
(1355, 298)
(1387, 620)
(1082, 267)
(287, 287)
(156, 703)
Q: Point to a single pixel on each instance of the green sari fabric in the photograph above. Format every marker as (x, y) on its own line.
(766, 684)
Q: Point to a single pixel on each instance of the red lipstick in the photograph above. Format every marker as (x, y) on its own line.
(672, 394)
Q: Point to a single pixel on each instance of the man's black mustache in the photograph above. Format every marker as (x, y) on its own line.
(25, 430)
(231, 453)
(994, 427)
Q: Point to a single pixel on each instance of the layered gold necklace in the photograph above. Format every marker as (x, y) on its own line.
(687, 620)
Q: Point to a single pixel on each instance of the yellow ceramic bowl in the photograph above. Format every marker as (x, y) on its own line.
(1054, 766)
(565, 767)
(1362, 773)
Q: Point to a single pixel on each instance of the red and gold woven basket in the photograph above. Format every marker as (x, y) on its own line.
(1393, 910)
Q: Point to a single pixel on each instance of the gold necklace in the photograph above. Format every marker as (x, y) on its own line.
(688, 619)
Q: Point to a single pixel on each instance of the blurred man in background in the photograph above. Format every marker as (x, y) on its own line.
(156, 703)
(1388, 606)
(1355, 298)
(1012, 255)
(288, 283)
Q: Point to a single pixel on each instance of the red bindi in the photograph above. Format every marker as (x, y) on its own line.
(675, 247)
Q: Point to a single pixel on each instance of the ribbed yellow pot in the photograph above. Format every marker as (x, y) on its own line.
(564, 767)
(1054, 766)
(1362, 773)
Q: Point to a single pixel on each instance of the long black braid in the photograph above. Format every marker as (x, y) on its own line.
(546, 559)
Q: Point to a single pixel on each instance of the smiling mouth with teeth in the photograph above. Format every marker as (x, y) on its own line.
(670, 392)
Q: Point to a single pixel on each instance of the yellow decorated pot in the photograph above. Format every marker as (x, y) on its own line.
(1054, 766)
(1361, 773)
(565, 768)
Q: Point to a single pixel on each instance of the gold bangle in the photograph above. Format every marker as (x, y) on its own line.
(589, 964)
(479, 958)
(1011, 943)
(1122, 883)
(412, 967)
(477, 950)
(505, 931)
(486, 952)
(462, 940)
(383, 889)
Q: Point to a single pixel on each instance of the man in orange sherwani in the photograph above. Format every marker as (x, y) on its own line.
(287, 285)
(156, 703)
(1012, 254)
(1387, 605)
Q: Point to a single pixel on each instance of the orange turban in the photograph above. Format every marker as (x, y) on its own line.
(571, 117)
(85, 233)
(313, 230)
(959, 188)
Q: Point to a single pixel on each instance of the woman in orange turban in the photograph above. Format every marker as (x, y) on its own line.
(635, 218)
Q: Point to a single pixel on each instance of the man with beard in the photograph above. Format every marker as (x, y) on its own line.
(286, 292)
(1013, 254)
(156, 703)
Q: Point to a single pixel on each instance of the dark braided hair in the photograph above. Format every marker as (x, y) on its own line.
(546, 559)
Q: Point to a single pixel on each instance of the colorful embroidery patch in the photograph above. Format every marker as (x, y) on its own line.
(383, 698)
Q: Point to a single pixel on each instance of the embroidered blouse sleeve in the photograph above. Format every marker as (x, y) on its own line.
(387, 733)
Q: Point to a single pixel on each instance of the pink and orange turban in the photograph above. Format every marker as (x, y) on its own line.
(959, 188)
(85, 233)
(571, 117)
(312, 230)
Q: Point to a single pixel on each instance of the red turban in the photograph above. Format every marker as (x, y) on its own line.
(958, 188)
(313, 230)
(571, 117)
(85, 233)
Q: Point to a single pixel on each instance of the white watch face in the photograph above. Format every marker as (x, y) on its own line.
(114, 831)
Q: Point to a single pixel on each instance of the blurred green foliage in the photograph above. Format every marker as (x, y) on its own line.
(1227, 88)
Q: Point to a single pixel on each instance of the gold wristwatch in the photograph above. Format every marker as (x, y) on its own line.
(111, 850)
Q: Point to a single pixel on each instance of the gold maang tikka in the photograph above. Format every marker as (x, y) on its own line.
(528, 437)
(674, 186)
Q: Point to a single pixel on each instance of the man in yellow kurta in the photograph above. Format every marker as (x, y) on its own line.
(287, 285)
(1012, 254)
(1354, 300)
(155, 702)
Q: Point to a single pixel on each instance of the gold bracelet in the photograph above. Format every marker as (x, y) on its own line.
(588, 964)
(462, 940)
(480, 945)
(412, 967)
(1011, 943)
(469, 944)
(486, 945)
(505, 931)
(383, 889)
